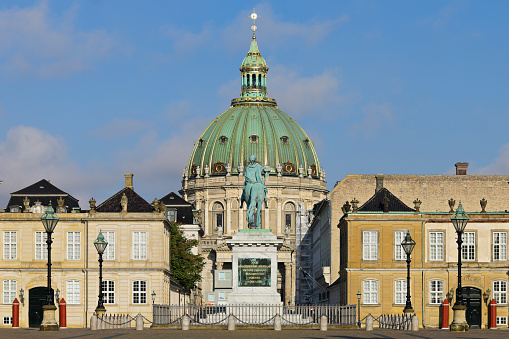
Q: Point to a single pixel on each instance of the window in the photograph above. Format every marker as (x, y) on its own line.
(218, 211)
(468, 246)
(284, 140)
(499, 245)
(370, 245)
(288, 220)
(222, 295)
(436, 245)
(171, 214)
(41, 247)
(14, 209)
(139, 292)
(225, 275)
(500, 291)
(370, 289)
(9, 291)
(211, 297)
(253, 138)
(109, 252)
(73, 291)
(74, 245)
(7, 321)
(108, 291)
(399, 252)
(223, 139)
(10, 244)
(400, 291)
(436, 291)
(501, 321)
(139, 245)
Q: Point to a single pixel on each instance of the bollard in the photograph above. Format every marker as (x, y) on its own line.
(277, 323)
(369, 323)
(415, 323)
(323, 323)
(493, 314)
(185, 323)
(62, 312)
(15, 313)
(231, 323)
(139, 322)
(93, 323)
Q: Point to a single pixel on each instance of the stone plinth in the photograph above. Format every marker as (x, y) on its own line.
(254, 267)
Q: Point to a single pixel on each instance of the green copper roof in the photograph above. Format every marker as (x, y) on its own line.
(254, 125)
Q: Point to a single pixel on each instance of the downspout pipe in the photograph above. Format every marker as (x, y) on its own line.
(422, 274)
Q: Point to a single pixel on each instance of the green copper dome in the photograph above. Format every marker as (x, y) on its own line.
(254, 125)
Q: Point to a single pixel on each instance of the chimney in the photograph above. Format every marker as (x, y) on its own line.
(379, 182)
(129, 180)
(461, 168)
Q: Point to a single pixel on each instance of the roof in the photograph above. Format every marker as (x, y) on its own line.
(135, 203)
(384, 201)
(45, 193)
(173, 199)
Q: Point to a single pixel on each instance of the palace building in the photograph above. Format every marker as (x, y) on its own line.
(213, 182)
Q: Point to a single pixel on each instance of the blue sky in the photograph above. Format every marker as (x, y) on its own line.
(90, 90)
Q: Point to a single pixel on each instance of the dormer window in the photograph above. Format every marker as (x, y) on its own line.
(284, 140)
(306, 142)
(223, 140)
(254, 139)
(14, 209)
(200, 143)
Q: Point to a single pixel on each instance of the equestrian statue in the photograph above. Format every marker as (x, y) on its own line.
(255, 192)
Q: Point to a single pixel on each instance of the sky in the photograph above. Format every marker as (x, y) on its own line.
(90, 90)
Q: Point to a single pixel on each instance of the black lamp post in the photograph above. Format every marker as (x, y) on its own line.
(49, 323)
(359, 308)
(408, 245)
(100, 244)
(459, 323)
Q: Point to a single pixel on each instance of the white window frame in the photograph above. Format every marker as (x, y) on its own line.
(400, 292)
(500, 291)
(501, 321)
(171, 214)
(139, 292)
(370, 292)
(108, 291)
(73, 245)
(211, 297)
(436, 292)
(436, 245)
(7, 321)
(10, 245)
(468, 246)
(221, 296)
(499, 246)
(41, 247)
(222, 275)
(369, 245)
(9, 289)
(140, 245)
(109, 252)
(73, 292)
(399, 252)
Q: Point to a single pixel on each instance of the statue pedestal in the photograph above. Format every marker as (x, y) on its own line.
(254, 267)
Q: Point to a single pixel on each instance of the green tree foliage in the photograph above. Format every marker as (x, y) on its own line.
(185, 266)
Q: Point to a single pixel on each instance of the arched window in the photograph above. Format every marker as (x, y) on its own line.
(284, 140)
(254, 139)
(223, 139)
(289, 216)
(260, 81)
(218, 216)
(248, 78)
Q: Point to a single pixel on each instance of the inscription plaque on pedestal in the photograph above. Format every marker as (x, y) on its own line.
(254, 272)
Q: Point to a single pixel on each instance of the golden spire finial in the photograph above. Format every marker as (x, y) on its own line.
(254, 16)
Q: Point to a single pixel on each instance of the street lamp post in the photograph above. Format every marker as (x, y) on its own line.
(459, 323)
(359, 308)
(100, 244)
(408, 245)
(49, 323)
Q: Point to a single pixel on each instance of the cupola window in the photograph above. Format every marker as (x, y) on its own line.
(254, 139)
(306, 142)
(223, 139)
(284, 140)
(200, 143)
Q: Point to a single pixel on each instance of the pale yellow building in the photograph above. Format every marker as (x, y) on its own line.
(136, 260)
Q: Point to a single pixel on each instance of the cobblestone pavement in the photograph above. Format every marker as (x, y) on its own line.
(248, 334)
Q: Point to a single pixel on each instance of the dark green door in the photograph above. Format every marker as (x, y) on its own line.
(472, 298)
(36, 299)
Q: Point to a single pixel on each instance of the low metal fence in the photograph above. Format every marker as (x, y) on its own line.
(254, 314)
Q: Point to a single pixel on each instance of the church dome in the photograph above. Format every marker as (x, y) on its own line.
(254, 125)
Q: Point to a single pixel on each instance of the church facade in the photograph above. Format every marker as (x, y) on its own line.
(214, 179)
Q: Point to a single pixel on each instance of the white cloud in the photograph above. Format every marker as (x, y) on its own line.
(29, 155)
(33, 43)
(500, 165)
(375, 117)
